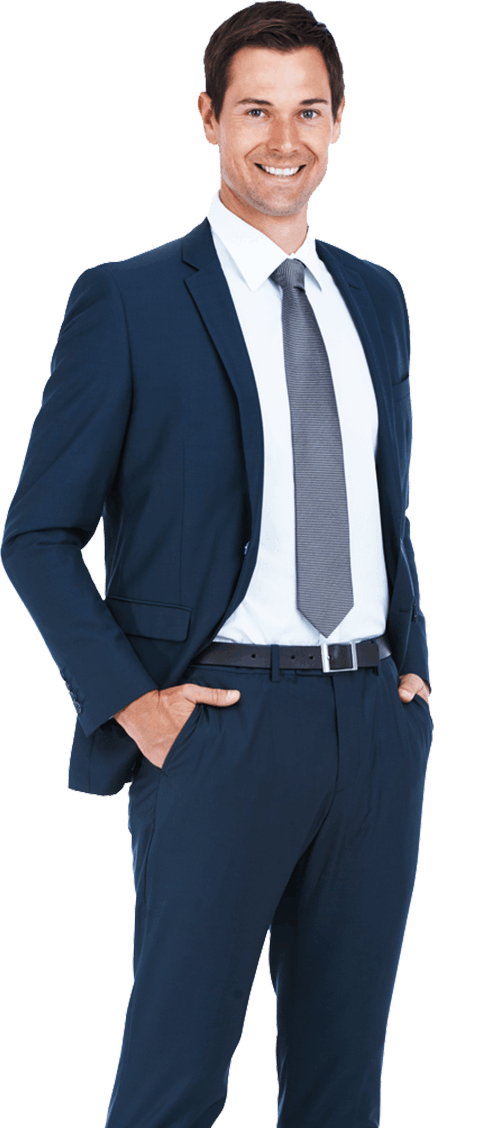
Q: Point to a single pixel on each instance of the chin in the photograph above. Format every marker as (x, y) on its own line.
(278, 207)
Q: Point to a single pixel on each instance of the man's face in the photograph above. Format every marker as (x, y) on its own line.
(274, 128)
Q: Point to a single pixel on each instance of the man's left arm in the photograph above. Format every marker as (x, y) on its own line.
(414, 674)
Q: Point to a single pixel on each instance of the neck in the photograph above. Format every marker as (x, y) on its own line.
(287, 231)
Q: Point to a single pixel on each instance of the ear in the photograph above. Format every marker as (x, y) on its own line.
(210, 124)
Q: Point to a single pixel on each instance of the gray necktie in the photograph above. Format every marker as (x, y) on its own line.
(323, 572)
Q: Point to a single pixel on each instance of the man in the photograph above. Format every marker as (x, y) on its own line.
(236, 406)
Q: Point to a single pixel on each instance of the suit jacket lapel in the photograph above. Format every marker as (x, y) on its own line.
(360, 305)
(212, 296)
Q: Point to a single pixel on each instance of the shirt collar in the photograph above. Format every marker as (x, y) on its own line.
(255, 254)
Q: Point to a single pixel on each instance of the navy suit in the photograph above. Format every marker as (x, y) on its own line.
(151, 420)
(298, 808)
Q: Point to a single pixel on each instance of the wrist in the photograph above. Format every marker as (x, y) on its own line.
(135, 709)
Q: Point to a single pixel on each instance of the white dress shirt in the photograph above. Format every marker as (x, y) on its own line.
(268, 612)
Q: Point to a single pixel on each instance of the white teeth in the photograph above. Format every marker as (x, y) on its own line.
(281, 171)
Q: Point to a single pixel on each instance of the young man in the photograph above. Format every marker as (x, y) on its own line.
(236, 406)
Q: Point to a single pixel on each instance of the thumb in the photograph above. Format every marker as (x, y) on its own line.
(212, 696)
(405, 692)
(409, 686)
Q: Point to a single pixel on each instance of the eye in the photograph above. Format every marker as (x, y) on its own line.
(307, 114)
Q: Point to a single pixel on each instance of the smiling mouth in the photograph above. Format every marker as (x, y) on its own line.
(280, 172)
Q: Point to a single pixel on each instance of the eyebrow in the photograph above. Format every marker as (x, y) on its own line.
(264, 102)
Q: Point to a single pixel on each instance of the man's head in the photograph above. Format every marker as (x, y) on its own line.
(276, 25)
(273, 103)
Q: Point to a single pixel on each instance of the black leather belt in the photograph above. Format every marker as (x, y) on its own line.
(331, 658)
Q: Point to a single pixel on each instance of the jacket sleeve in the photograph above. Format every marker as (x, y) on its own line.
(416, 654)
(69, 467)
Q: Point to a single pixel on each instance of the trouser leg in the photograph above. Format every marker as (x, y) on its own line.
(337, 931)
(216, 834)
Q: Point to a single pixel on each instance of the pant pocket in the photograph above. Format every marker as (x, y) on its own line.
(420, 701)
(142, 818)
(182, 737)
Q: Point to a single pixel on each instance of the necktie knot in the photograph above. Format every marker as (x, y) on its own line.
(290, 274)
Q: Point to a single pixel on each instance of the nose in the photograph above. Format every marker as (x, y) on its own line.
(283, 137)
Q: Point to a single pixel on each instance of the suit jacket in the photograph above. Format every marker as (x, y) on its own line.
(151, 420)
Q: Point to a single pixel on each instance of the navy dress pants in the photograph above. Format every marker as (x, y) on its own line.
(296, 810)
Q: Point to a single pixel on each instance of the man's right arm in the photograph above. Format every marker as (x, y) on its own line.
(70, 463)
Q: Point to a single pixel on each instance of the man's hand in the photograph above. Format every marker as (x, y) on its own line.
(410, 684)
(155, 719)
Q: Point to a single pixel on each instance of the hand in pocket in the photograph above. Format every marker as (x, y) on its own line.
(156, 719)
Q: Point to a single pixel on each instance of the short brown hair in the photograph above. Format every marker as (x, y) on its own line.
(276, 24)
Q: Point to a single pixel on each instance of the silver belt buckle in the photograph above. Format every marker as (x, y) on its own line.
(325, 659)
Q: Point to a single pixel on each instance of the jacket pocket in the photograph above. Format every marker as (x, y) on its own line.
(148, 619)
